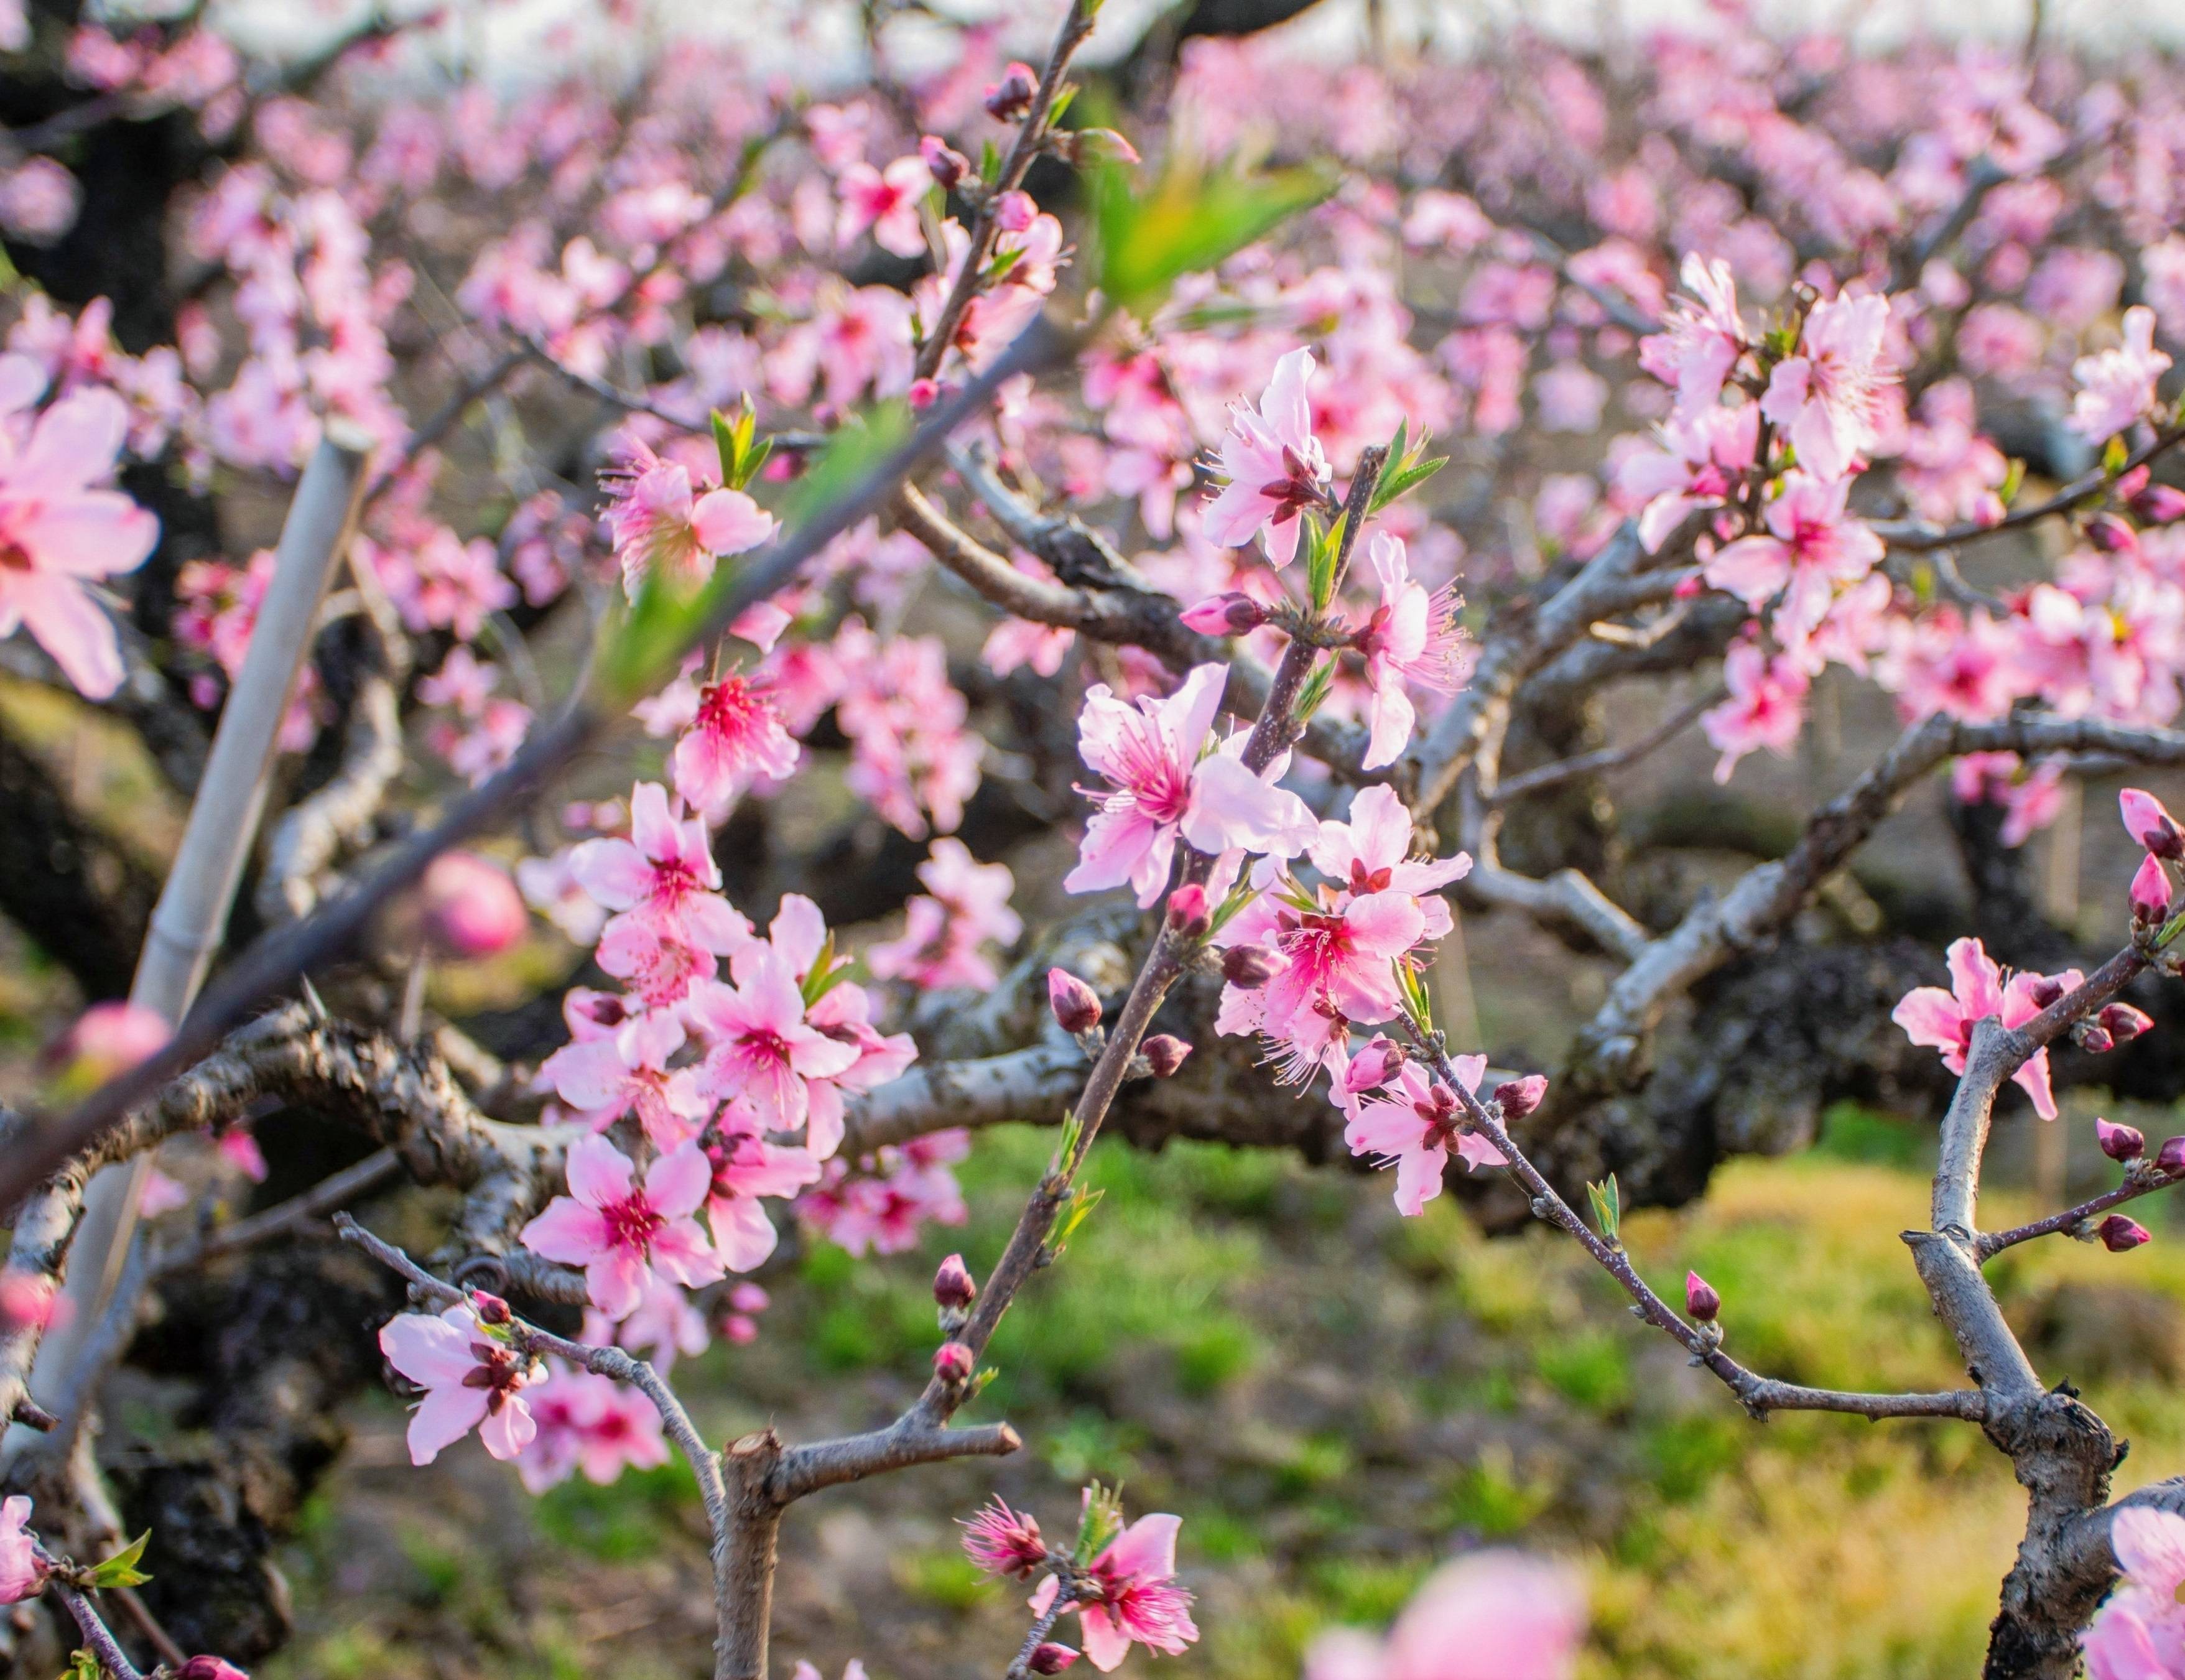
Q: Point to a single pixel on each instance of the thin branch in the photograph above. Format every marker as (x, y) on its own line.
(2072, 1221)
(296, 1214)
(1555, 775)
(1917, 538)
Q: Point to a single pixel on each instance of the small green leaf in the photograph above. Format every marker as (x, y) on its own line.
(121, 1570)
(1326, 554)
(1191, 218)
(990, 161)
(1607, 1207)
(1065, 97)
(2114, 455)
(1074, 1214)
(1313, 691)
(1100, 1523)
(83, 1666)
(2014, 480)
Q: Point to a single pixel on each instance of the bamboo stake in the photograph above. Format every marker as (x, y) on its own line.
(192, 913)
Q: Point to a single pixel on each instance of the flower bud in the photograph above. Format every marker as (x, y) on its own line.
(1051, 1658)
(490, 1308)
(471, 905)
(1076, 1005)
(2121, 1143)
(1373, 1067)
(208, 1668)
(1010, 98)
(1164, 1053)
(1187, 913)
(952, 1363)
(2042, 990)
(1229, 615)
(1517, 1098)
(1248, 967)
(2170, 1156)
(1015, 212)
(923, 393)
(2110, 534)
(2160, 504)
(1701, 1300)
(28, 1300)
(949, 167)
(952, 1286)
(2123, 1023)
(1088, 146)
(106, 1041)
(2092, 1040)
(2147, 820)
(2119, 1233)
(2150, 890)
(749, 1297)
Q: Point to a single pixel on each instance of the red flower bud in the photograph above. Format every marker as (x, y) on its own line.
(2170, 1158)
(2148, 821)
(1050, 1658)
(1517, 1098)
(490, 1308)
(2121, 1143)
(2093, 1041)
(2123, 1023)
(2150, 890)
(1701, 1300)
(1248, 967)
(208, 1668)
(2160, 504)
(1373, 1067)
(1076, 1005)
(2110, 534)
(952, 1285)
(2044, 990)
(1164, 1053)
(952, 1363)
(1010, 98)
(1187, 913)
(2120, 1234)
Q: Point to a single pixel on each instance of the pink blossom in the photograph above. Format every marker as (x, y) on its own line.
(589, 1423)
(1813, 545)
(1004, 1542)
(1705, 459)
(2149, 822)
(764, 1053)
(659, 525)
(1491, 1616)
(735, 739)
(471, 1381)
(1703, 340)
(1129, 1595)
(1159, 787)
(965, 906)
(1413, 636)
(2116, 387)
(886, 202)
(105, 1042)
(746, 1168)
(1337, 968)
(22, 1575)
(57, 530)
(1944, 1020)
(1827, 398)
(663, 875)
(626, 1071)
(620, 1231)
(1766, 707)
(2139, 1633)
(1420, 1127)
(1273, 463)
(1371, 852)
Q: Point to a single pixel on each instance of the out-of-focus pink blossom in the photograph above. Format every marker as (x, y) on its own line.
(1827, 397)
(471, 905)
(2116, 387)
(1273, 464)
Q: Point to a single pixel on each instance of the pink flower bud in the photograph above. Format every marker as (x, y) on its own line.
(2120, 1234)
(2092, 1040)
(2160, 504)
(28, 1299)
(2121, 1143)
(2123, 1023)
(490, 1308)
(2147, 822)
(949, 167)
(1076, 1005)
(1097, 146)
(2043, 990)
(1164, 1053)
(922, 393)
(208, 1668)
(1229, 615)
(1519, 1098)
(2170, 1156)
(952, 1285)
(1015, 212)
(1248, 967)
(952, 1363)
(1701, 1300)
(2110, 534)
(106, 1041)
(750, 1298)
(1187, 913)
(2150, 890)
(471, 905)
(1373, 1067)
(1051, 1658)
(1010, 98)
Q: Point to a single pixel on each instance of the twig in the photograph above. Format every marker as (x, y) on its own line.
(1607, 758)
(1919, 538)
(1990, 1243)
(1065, 1594)
(295, 1214)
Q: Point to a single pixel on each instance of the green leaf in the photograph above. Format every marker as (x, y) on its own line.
(2014, 480)
(1313, 691)
(990, 161)
(826, 972)
(1191, 218)
(1102, 1522)
(121, 1570)
(2114, 455)
(83, 1666)
(1065, 97)
(734, 438)
(1326, 553)
(1607, 1207)
(1073, 1214)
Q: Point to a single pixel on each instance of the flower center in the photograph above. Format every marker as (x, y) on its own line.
(631, 1223)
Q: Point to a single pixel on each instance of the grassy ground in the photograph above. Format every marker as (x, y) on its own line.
(1334, 1398)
